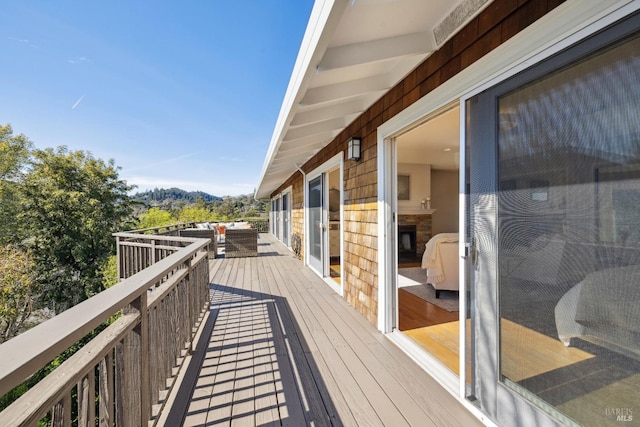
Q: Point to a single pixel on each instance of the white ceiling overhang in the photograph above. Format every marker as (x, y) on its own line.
(352, 53)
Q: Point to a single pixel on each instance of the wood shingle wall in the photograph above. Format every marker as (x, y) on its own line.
(500, 21)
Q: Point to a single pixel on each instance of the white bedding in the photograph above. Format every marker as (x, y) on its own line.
(432, 257)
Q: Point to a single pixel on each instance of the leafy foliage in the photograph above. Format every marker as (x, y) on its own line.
(14, 154)
(155, 217)
(159, 195)
(72, 204)
(109, 271)
(227, 209)
(243, 206)
(14, 151)
(18, 290)
(195, 214)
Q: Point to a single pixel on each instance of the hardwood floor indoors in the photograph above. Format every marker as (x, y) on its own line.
(414, 312)
(433, 328)
(437, 331)
(334, 269)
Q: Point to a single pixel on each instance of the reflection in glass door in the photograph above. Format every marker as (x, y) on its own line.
(316, 224)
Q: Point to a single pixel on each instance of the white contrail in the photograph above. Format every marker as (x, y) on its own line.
(77, 102)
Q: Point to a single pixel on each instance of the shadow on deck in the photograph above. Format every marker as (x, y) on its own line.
(281, 348)
(251, 372)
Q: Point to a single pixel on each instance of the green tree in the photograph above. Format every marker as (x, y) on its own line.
(227, 209)
(109, 271)
(18, 290)
(194, 214)
(14, 154)
(200, 202)
(155, 217)
(72, 205)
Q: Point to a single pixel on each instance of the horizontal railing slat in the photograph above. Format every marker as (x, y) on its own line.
(149, 245)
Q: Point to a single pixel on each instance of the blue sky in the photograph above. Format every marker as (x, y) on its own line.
(179, 93)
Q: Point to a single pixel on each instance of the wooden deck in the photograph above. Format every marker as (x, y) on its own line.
(281, 348)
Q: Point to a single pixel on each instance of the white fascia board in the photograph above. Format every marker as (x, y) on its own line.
(324, 19)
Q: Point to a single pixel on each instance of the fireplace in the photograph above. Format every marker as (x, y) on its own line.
(407, 241)
(421, 226)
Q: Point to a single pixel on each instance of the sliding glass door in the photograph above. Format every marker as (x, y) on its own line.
(324, 222)
(317, 226)
(286, 218)
(554, 237)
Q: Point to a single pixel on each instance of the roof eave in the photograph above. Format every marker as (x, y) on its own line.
(325, 17)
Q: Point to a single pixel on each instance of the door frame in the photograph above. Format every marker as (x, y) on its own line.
(286, 217)
(569, 23)
(278, 216)
(336, 162)
(388, 246)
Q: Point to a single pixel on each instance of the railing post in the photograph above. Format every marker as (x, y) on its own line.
(190, 285)
(145, 378)
(119, 384)
(138, 406)
(118, 258)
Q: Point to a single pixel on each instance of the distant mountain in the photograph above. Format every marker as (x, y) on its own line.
(174, 194)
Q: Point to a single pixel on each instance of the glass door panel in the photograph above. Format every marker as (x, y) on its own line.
(286, 214)
(569, 236)
(316, 224)
(278, 215)
(554, 192)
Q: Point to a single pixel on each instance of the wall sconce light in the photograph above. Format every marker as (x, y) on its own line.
(353, 152)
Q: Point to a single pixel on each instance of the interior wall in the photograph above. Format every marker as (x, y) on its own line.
(419, 184)
(334, 179)
(445, 200)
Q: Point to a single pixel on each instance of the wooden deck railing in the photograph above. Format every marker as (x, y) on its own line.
(166, 230)
(122, 376)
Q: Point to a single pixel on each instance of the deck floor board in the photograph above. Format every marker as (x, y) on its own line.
(285, 349)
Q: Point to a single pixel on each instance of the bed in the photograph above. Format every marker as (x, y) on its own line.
(440, 259)
(603, 308)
